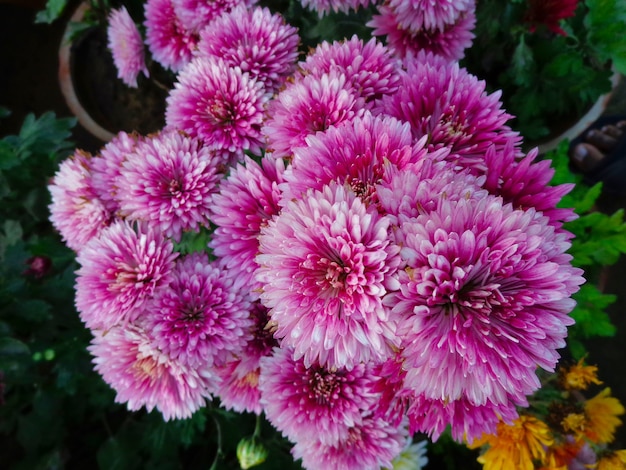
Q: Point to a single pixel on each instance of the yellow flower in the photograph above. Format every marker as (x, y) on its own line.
(602, 413)
(612, 461)
(515, 446)
(580, 376)
(574, 422)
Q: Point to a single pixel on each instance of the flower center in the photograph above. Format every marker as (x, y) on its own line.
(324, 386)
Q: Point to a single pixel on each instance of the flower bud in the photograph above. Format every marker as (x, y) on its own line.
(250, 453)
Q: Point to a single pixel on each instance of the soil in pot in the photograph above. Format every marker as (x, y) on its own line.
(111, 103)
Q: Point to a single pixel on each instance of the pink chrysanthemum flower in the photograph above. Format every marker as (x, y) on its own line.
(370, 67)
(467, 420)
(257, 41)
(126, 46)
(370, 445)
(487, 292)
(323, 7)
(119, 272)
(239, 388)
(451, 107)
(107, 164)
(315, 401)
(449, 43)
(525, 183)
(76, 211)
(324, 262)
(418, 15)
(142, 375)
(246, 201)
(169, 42)
(195, 15)
(307, 106)
(358, 153)
(417, 190)
(168, 182)
(202, 316)
(219, 104)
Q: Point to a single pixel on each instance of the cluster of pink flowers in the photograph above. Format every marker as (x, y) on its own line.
(384, 259)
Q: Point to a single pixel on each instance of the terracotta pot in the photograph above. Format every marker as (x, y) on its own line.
(66, 82)
(101, 102)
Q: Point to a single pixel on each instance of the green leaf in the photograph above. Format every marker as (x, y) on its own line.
(590, 315)
(606, 22)
(12, 231)
(4, 112)
(54, 9)
(523, 63)
(13, 353)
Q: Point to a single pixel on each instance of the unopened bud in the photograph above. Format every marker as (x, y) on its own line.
(250, 453)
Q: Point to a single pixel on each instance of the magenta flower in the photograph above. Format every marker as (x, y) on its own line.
(451, 107)
(370, 67)
(324, 262)
(525, 183)
(142, 375)
(370, 445)
(76, 212)
(169, 42)
(107, 164)
(126, 46)
(315, 401)
(168, 182)
(119, 272)
(219, 104)
(246, 201)
(257, 41)
(195, 15)
(419, 15)
(487, 293)
(202, 316)
(449, 43)
(307, 106)
(359, 153)
(239, 388)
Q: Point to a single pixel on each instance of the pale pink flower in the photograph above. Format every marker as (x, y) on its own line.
(168, 182)
(106, 167)
(486, 291)
(195, 15)
(169, 42)
(418, 15)
(239, 388)
(404, 195)
(467, 421)
(245, 202)
(76, 211)
(370, 445)
(359, 153)
(219, 104)
(120, 270)
(202, 317)
(255, 40)
(449, 43)
(370, 67)
(452, 108)
(126, 46)
(314, 401)
(143, 376)
(324, 262)
(323, 7)
(307, 106)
